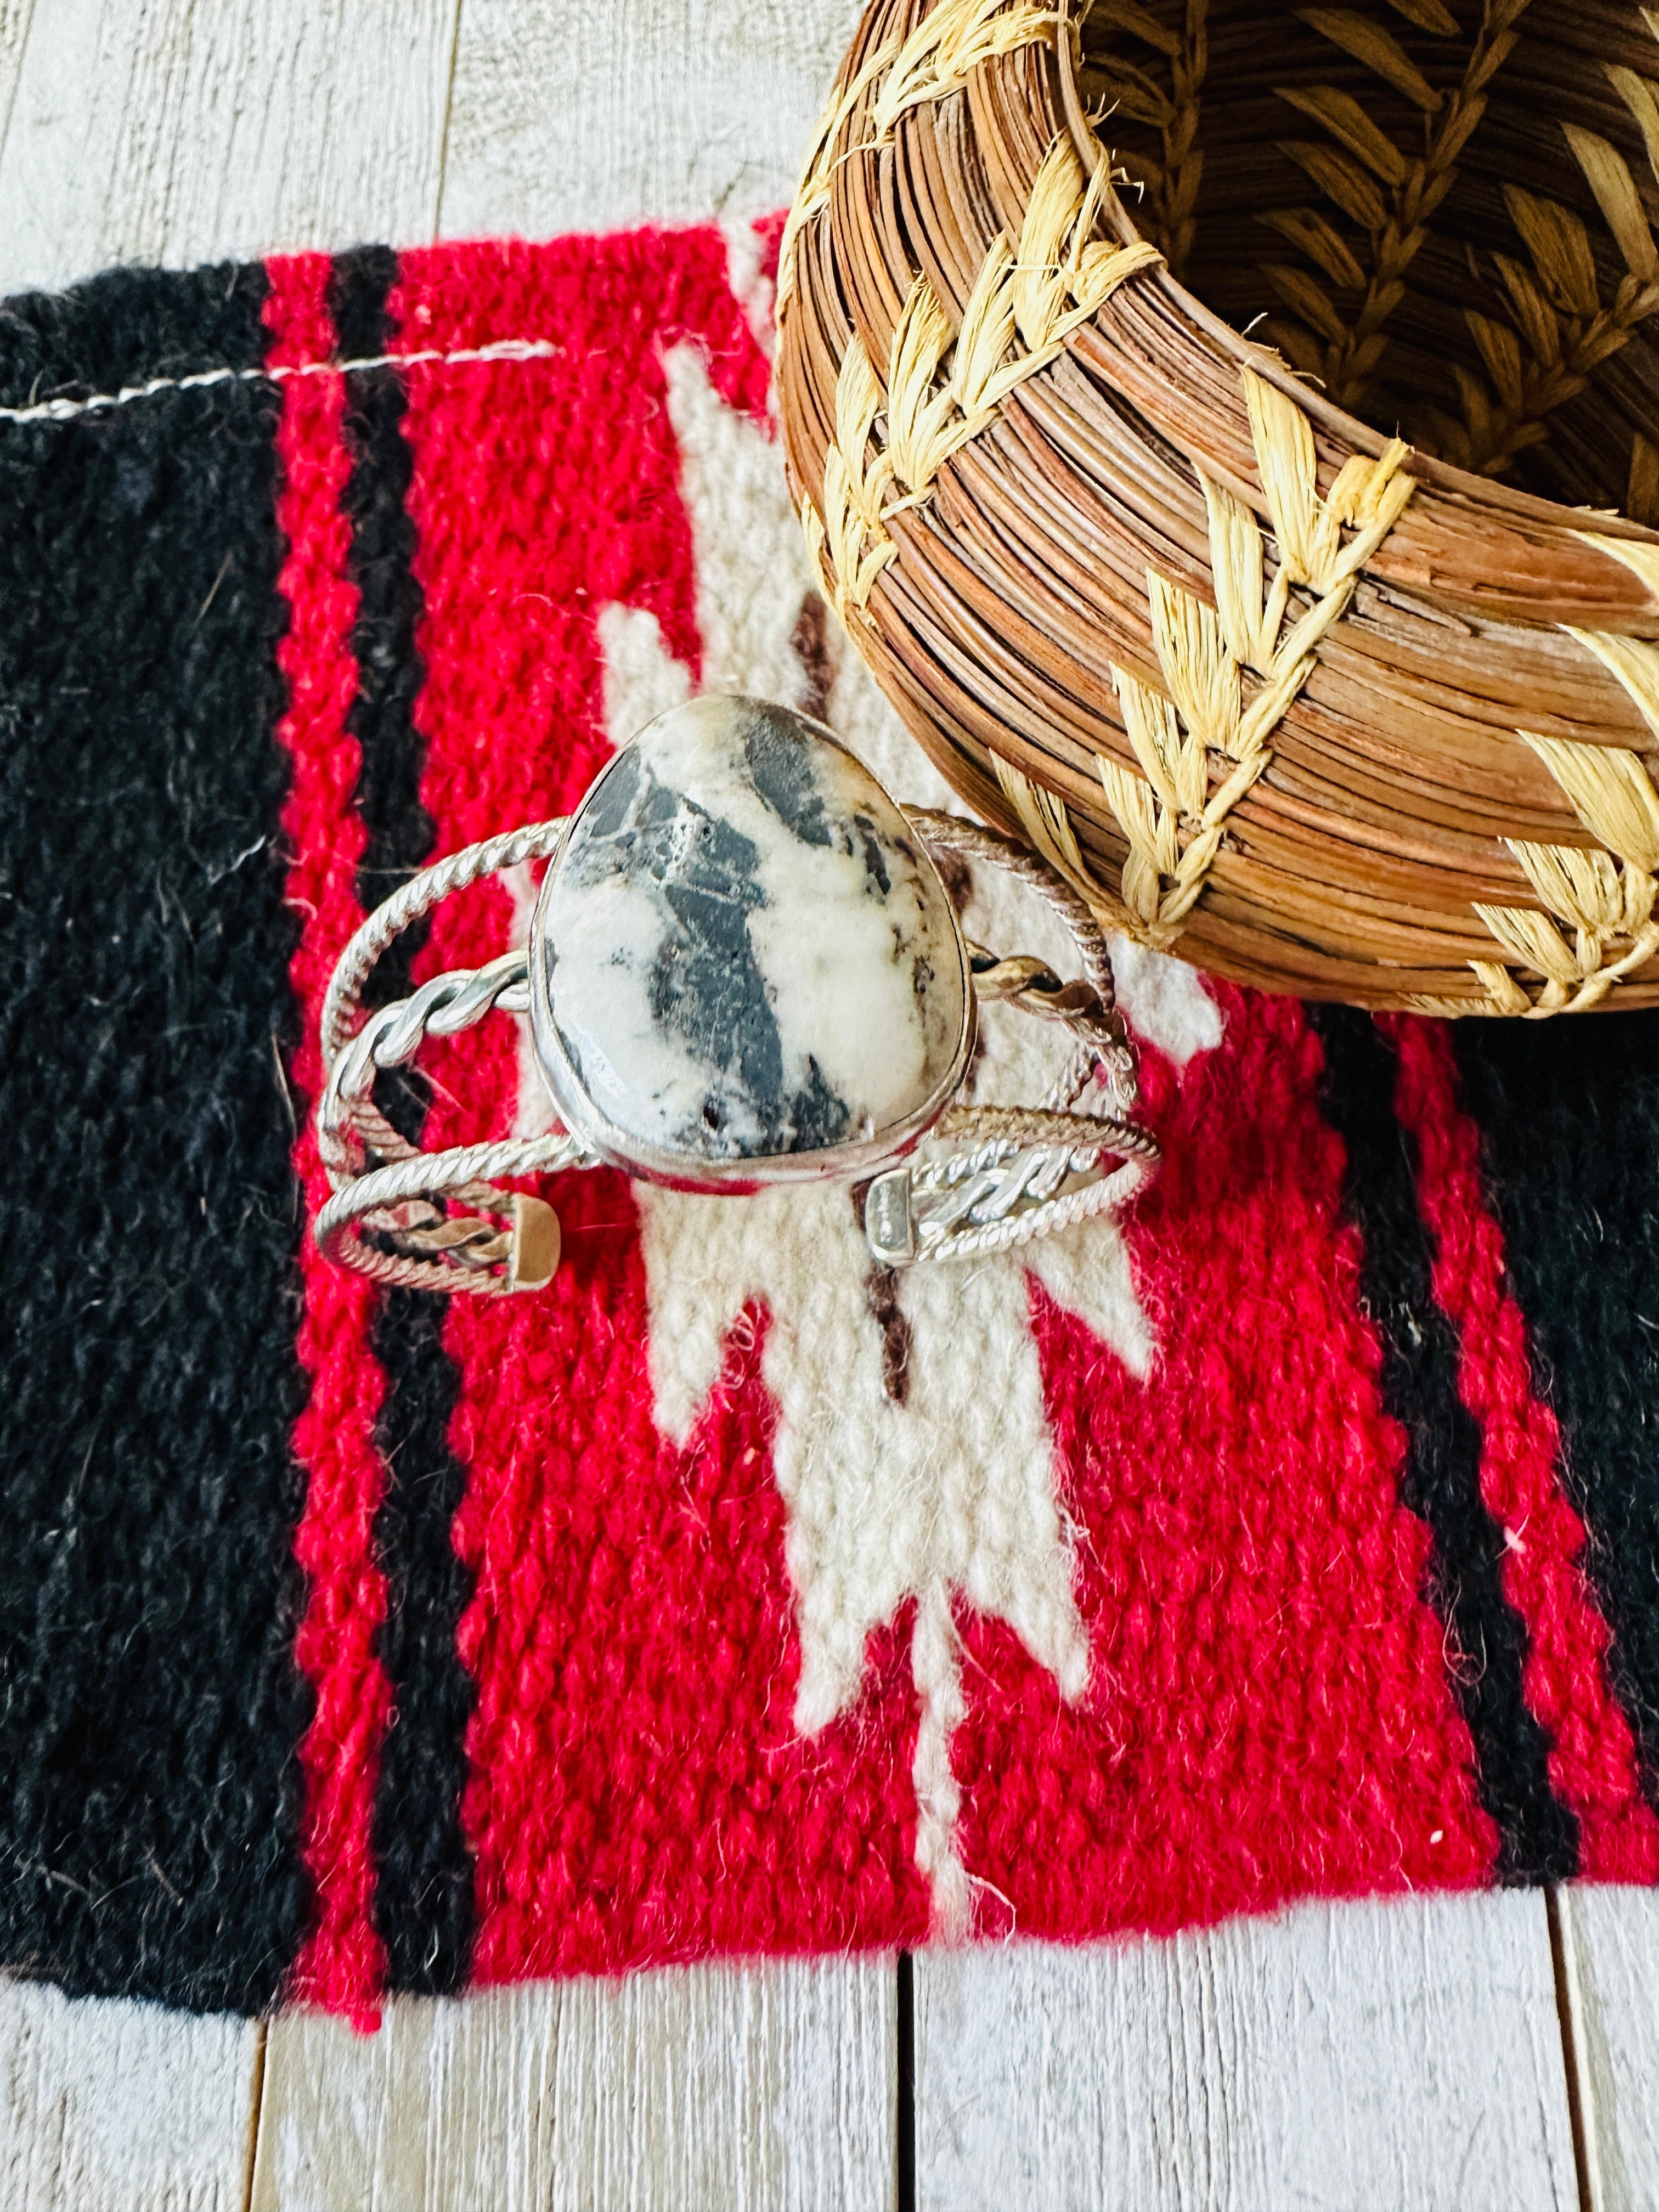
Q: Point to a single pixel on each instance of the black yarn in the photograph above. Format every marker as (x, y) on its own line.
(129, 325)
(359, 286)
(424, 1895)
(150, 1709)
(1569, 1113)
(1538, 1834)
(400, 831)
(424, 1901)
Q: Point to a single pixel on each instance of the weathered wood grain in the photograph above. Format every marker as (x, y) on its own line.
(109, 2106)
(1392, 2053)
(14, 19)
(1610, 1955)
(724, 2087)
(174, 133)
(579, 114)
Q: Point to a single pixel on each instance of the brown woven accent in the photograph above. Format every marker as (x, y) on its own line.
(1306, 699)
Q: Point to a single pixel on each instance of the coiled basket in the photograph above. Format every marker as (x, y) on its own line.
(1230, 433)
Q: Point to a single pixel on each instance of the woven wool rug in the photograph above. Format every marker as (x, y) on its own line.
(1298, 1537)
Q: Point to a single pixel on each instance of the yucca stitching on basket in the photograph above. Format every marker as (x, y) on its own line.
(1354, 178)
(1602, 897)
(935, 59)
(1022, 295)
(851, 492)
(1563, 329)
(930, 63)
(1168, 185)
(1173, 823)
(1567, 330)
(1017, 300)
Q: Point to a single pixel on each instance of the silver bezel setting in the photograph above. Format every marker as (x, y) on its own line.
(846, 1163)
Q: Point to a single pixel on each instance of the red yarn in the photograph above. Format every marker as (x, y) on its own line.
(638, 1791)
(342, 1964)
(768, 229)
(1269, 1712)
(1592, 1760)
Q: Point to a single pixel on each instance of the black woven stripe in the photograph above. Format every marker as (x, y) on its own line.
(1569, 1114)
(127, 327)
(1538, 1835)
(400, 831)
(423, 1905)
(150, 1710)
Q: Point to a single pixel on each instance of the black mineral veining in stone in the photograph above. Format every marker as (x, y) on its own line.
(742, 953)
(781, 773)
(706, 988)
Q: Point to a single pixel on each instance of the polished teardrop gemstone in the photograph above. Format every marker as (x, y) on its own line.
(743, 952)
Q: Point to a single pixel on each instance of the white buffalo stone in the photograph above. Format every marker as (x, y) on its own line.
(745, 952)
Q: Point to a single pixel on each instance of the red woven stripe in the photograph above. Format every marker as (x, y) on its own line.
(342, 1964)
(638, 1789)
(1592, 1761)
(638, 1786)
(1269, 1712)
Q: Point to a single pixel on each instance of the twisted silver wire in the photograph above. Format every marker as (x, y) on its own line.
(1022, 1149)
(391, 1038)
(1000, 1167)
(537, 841)
(1109, 1048)
(1104, 1195)
(468, 1172)
(996, 1170)
(376, 1174)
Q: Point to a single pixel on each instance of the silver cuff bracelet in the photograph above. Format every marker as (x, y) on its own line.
(744, 969)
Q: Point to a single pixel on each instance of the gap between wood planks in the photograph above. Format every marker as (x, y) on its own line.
(257, 2103)
(904, 2131)
(1563, 2011)
(449, 109)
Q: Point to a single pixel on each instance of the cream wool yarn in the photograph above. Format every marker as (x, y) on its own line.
(955, 1490)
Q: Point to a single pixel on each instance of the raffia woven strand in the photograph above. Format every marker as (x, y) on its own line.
(944, 388)
(1173, 821)
(1561, 328)
(1390, 194)
(1168, 185)
(932, 63)
(1564, 328)
(1604, 899)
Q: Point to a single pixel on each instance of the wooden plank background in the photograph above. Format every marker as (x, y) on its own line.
(1376, 2053)
(1497, 2051)
(717, 2085)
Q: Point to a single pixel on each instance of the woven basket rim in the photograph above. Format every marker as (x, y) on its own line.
(1408, 760)
(1335, 422)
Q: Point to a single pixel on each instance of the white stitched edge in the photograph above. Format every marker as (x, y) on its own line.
(65, 411)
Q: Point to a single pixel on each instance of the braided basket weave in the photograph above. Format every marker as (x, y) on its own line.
(1361, 704)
